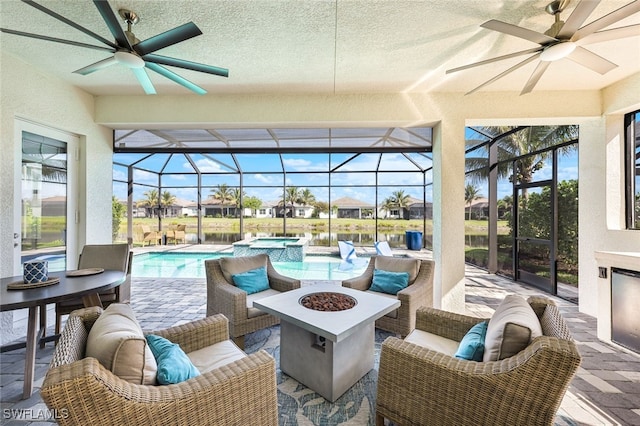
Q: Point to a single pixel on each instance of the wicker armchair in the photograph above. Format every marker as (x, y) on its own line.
(80, 391)
(154, 237)
(418, 293)
(419, 386)
(225, 298)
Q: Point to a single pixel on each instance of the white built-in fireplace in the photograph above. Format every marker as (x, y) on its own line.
(619, 298)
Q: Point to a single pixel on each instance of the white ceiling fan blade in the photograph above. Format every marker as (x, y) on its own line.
(535, 77)
(496, 59)
(502, 74)
(97, 66)
(607, 20)
(176, 78)
(517, 31)
(144, 80)
(577, 18)
(608, 35)
(590, 60)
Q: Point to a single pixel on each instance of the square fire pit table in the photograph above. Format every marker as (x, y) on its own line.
(328, 351)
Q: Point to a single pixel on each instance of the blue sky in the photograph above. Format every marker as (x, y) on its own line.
(263, 177)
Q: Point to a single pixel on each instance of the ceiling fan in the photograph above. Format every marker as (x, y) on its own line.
(129, 51)
(562, 40)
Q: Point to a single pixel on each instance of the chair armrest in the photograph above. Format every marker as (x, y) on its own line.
(242, 392)
(229, 300)
(415, 293)
(280, 282)
(446, 324)
(362, 282)
(197, 334)
(427, 387)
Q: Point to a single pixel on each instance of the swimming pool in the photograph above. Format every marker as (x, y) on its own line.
(191, 265)
(278, 249)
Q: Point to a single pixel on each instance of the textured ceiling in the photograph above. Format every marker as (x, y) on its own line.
(317, 46)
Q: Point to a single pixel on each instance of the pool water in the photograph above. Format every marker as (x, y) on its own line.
(191, 265)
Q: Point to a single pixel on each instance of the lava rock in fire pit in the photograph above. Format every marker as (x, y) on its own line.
(327, 301)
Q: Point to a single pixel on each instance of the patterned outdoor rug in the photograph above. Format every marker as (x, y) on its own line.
(299, 405)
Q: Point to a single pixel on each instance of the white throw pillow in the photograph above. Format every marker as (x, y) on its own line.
(511, 328)
(118, 343)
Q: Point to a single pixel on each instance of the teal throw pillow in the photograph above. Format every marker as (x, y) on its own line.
(252, 281)
(174, 366)
(389, 282)
(472, 344)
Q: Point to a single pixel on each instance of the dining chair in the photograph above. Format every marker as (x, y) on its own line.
(107, 256)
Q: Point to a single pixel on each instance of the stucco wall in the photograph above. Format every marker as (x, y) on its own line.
(35, 97)
(52, 102)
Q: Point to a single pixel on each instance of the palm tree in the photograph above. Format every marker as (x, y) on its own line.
(236, 197)
(151, 200)
(306, 197)
(387, 205)
(471, 193)
(223, 194)
(291, 196)
(168, 199)
(527, 140)
(401, 200)
(505, 205)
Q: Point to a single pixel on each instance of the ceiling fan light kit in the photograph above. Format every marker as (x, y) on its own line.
(557, 51)
(562, 40)
(128, 50)
(128, 59)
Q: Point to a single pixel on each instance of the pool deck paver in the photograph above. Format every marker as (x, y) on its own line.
(606, 390)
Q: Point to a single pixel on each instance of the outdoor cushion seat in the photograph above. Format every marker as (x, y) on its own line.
(422, 382)
(419, 291)
(224, 297)
(255, 312)
(433, 342)
(231, 388)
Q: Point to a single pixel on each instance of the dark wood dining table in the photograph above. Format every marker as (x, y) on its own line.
(87, 287)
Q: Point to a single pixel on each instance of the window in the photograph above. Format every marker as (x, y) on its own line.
(632, 161)
(521, 214)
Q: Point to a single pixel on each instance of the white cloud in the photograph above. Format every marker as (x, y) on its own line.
(175, 177)
(141, 176)
(208, 166)
(119, 175)
(297, 163)
(263, 178)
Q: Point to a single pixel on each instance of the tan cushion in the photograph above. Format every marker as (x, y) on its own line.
(433, 342)
(398, 264)
(236, 265)
(255, 312)
(511, 328)
(214, 356)
(117, 342)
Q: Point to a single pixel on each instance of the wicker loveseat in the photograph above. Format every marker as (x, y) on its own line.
(420, 386)
(79, 390)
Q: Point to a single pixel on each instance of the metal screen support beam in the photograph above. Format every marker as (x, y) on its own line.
(492, 265)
